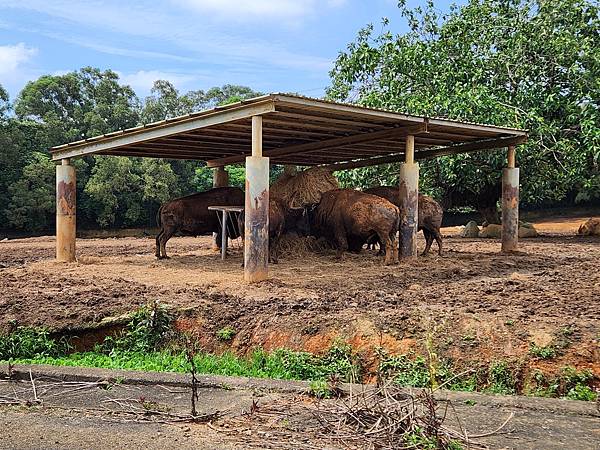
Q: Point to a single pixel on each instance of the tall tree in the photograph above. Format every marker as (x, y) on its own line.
(524, 63)
(78, 105)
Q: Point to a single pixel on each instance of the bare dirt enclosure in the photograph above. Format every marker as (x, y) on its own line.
(476, 304)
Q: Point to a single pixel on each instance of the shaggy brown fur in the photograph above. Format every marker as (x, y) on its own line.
(348, 218)
(430, 214)
(190, 215)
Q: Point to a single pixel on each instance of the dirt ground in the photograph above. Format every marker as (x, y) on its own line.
(476, 303)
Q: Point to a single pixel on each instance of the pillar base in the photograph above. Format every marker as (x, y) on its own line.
(409, 209)
(256, 216)
(510, 209)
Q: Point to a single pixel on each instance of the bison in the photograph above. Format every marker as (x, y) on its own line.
(590, 228)
(430, 214)
(348, 218)
(190, 216)
(277, 221)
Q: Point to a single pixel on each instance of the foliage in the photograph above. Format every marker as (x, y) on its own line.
(4, 103)
(522, 63)
(149, 329)
(79, 104)
(32, 197)
(319, 389)
(543, 352)
(226, 333)
(500, 379)
(56, 109)
(27, 342)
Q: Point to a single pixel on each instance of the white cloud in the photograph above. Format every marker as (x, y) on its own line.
(237, 10)
(12, 57)
(190, 32)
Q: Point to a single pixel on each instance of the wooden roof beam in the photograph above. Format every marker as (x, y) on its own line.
(433, 153)
(329, 143)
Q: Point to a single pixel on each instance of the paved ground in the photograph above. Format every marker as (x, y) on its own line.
(90, 408)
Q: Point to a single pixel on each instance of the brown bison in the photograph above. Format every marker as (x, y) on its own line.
(590, 228)
(348, 218)
(190, 216)
(430, 214)
(277, 221)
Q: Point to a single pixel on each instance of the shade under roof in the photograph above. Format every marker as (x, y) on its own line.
(296, 130)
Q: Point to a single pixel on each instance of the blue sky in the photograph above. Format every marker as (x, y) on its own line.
(269, 45)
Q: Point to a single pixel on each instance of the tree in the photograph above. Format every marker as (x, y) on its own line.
(523, 63)
(4, 103)
(32, 196)
(79, 104)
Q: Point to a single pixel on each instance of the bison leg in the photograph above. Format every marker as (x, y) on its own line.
(389, 250)
(165, 236)
(395, 248)
(157, 252)
(273, 255)
(341, 243)
(438, 239)
(428, 241)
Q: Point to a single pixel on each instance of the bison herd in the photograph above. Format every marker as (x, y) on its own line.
(347, 218)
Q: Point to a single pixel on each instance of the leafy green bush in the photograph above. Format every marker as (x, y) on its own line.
(543, 352)
(501, 379)
(26, 342)
(149, 329)
(226, 333)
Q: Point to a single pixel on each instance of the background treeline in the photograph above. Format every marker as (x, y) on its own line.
(531, 64)
(112, 191)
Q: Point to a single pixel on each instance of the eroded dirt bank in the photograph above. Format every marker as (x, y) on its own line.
(474, 303)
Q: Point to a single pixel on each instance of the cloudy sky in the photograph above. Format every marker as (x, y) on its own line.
(269, 45)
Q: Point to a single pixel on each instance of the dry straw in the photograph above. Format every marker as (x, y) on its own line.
(303, 188)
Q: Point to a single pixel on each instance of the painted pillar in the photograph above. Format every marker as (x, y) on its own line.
(510, 204)
(409, 201)
(220, 179)
(256, 237)
(65, 211)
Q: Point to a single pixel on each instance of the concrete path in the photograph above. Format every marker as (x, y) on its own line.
(74, 408)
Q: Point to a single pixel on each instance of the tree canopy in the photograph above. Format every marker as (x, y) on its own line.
(533, 64)
(111, 191)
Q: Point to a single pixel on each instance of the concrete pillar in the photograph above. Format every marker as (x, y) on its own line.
(256, 237)
(65, 211)
(510, 204)
(220, 177)
(409, 202)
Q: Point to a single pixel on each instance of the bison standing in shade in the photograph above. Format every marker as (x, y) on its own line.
(190, 216)
(277, 222)
(348, 218)
(430, 214)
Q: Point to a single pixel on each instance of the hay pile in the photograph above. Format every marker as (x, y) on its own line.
(291, 245)
(303, 188)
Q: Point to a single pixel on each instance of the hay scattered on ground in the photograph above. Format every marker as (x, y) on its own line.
(292, 245)
(304, 188)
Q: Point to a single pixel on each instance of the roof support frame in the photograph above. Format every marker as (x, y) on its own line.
(146, 134)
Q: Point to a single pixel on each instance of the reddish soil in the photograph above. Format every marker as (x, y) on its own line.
(474, 302)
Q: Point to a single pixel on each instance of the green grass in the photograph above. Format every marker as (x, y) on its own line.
(547, 352)
(281, 364)
(149, 343)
